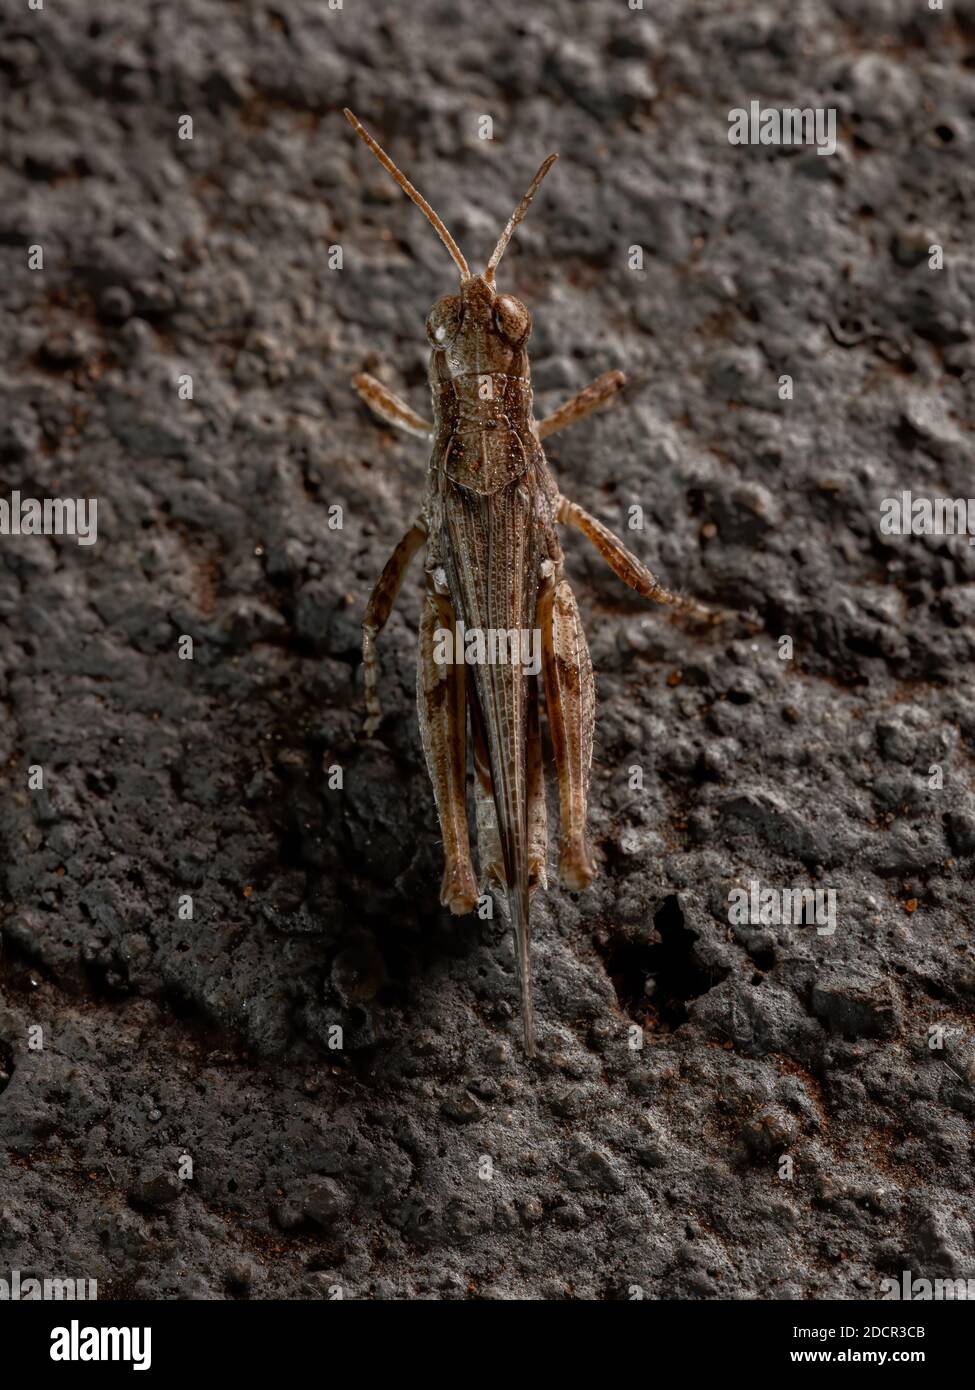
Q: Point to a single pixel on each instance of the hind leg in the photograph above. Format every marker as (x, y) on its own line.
(570, 705)
(441, 694)
(535, 783)
(490, 859)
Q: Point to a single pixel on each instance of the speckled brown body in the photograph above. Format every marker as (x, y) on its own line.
(492, 550)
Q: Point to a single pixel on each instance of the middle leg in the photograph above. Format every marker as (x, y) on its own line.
(622, 562)
(583, 403)
(377, 614)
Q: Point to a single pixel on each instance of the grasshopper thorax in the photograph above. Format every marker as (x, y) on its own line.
(481, 386)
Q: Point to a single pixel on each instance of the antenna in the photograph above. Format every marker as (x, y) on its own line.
(418, 198)
(516, 217)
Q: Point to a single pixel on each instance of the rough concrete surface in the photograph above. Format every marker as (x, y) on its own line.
(425, 1158)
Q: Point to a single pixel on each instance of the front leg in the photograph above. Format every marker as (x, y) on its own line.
(583, 403)
(632, 571)
(390, 407)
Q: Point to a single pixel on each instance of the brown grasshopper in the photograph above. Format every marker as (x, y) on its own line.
(493, 560)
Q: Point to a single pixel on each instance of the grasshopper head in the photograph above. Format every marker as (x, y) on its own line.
(478, 309)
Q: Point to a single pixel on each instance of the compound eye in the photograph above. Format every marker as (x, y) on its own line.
(443, 321)
(513, 319)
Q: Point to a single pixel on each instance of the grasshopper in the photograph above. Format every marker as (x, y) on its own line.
(493, 560)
